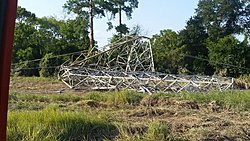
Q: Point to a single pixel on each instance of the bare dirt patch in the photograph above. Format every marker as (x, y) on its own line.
(39, 86)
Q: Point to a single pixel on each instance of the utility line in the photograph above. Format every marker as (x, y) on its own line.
(115, 44)
(35, 68)
(57, 56)
(79, 52)
(216, 62)
(190, 56)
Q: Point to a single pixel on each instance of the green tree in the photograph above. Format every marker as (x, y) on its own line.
(117, 7)
(24, 16)
(167, 52)
(246, 46)
(73, 36)
(26, 45)
(25, 31)
(193, 39)
(46, 66)
(224, 17)
(63, 36)
(35, 38)
(228, 56)
(89, 9)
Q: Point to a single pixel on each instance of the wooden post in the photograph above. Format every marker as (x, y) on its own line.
(8, 10)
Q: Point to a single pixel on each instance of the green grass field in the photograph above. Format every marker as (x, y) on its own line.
(36, 115)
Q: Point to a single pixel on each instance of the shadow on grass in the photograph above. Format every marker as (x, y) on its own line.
(78, 130)
(54, 125)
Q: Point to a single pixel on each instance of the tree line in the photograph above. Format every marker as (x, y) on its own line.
(209, 44)
(214, 41)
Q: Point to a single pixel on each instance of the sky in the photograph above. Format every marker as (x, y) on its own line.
(151, 15)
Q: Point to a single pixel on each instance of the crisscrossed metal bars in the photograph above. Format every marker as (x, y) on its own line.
(128, 64)
(143, 81)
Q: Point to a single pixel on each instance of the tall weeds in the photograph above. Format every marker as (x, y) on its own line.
(52, 125)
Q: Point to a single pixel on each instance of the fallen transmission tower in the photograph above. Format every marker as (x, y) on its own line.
(128, 64)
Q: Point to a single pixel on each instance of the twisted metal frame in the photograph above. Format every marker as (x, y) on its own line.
(129, 64)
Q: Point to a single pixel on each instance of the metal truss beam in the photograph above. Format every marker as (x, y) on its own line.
(128, 64)
(149, 82)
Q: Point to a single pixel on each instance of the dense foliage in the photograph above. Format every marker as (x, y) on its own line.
(210, 43)
(214, 41)
(40, 38)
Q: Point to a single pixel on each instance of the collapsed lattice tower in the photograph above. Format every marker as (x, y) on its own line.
(128, 64)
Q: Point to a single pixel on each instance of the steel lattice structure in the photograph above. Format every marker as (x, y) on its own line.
(128, 64)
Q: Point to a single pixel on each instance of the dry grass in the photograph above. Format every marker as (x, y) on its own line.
(125, 115)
